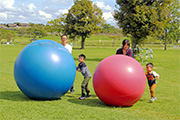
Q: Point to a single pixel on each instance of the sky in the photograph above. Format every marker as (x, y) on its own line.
(41, 11)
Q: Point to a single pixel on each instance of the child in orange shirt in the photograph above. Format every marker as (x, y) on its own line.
(151, 76)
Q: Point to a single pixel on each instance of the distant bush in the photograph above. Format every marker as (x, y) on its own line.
(7, 35)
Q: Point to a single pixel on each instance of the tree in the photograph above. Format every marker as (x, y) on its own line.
(6, 34)
(56, 25)
(178, 35)
(21, 32)
(36, 32)
(172, 27)
(32, 24)
(83, 19)
(141, 18)
(108, 28)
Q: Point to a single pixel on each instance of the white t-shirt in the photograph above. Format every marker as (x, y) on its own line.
(69, 48)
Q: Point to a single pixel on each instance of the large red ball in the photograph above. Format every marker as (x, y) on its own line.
(119, 80)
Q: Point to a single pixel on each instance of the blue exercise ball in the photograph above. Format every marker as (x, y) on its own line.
(44, 69)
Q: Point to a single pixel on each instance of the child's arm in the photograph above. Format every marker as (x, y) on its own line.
(156, 75)
(130, 52)
(77, 69)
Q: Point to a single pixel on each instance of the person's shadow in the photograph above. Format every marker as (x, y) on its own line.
(92, 102)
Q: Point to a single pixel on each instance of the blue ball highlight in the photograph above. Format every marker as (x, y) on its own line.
(44, 69)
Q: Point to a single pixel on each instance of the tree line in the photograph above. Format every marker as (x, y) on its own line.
(137, 19)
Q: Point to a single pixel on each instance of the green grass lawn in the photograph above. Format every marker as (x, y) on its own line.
(14, 105)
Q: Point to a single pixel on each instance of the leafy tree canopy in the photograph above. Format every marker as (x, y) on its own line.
(83, 19)
(141, 18)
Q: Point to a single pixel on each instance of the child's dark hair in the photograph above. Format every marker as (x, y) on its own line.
(149, 64)
(82, 55)
(63, 35)
(126, 41)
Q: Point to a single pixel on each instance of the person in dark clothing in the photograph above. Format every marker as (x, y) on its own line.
(82, 67)
(125, 49)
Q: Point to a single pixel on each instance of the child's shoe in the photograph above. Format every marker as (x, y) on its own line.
(81, 98)
(155, 98)
(72, 91)
(152, 99)
(88, 96)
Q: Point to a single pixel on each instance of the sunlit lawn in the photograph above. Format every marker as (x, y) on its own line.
(15, 105)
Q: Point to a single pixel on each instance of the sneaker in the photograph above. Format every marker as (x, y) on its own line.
(155, 98)
(88, 96)
(152, 99)
(81, 98)
(72, 91)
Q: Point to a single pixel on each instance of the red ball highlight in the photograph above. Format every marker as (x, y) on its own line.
(119, 80)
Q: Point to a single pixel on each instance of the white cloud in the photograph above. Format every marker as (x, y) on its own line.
(22, 17)
(62, 11)
(62, 3)
(7, 4)
(43, 10)
(108, 8)
(100, 4)
(31, 7)
(103, 6)
(107, 15)
(3, 16)
(107, 12)
(44, 14)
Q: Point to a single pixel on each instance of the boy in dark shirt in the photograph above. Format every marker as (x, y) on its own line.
(87, 76)
(151, 76)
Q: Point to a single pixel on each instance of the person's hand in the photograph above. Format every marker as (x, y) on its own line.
(157, 77)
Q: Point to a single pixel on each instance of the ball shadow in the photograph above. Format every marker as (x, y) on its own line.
(13, 96)
(94, 101)
(19, 96)
(142, 100)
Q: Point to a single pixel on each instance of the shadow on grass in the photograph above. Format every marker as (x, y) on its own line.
(92, 102)
(19, 96)
(77, 48)
(93, 59)
(142, 100)
(13, 96)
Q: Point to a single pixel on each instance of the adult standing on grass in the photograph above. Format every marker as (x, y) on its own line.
(125, 49)
(65, 44)
(69, 48)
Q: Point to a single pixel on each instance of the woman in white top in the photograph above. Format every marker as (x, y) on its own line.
(69, 48)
